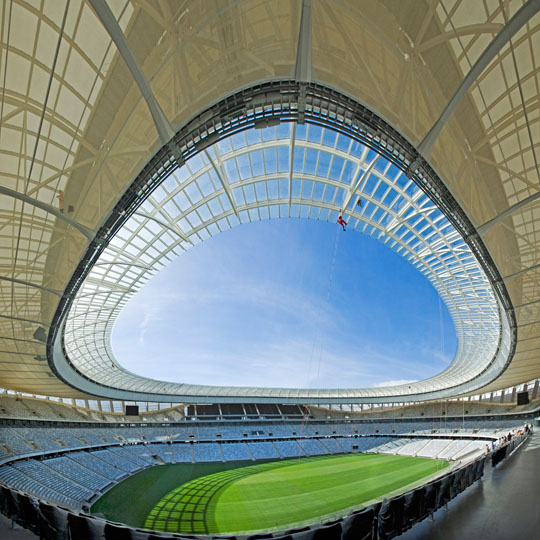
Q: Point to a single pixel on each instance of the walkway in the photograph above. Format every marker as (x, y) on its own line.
(7, 533)
(503, 505)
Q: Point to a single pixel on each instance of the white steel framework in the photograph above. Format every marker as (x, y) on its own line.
(281, 171)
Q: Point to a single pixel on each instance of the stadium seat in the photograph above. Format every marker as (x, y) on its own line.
(361, 525)
(53, 522)
(114, 531)
(430, 499)
(390, 519)
(9, 504)
(330, 531)
(84, 527)
(28, 513)
(414, 509)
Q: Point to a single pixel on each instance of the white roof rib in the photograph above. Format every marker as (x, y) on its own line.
(246, 178)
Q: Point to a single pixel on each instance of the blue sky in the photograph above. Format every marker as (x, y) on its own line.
(291, 303)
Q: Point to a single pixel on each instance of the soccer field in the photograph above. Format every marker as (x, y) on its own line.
(282, 493)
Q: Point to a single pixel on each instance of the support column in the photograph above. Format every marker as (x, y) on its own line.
(535, 389)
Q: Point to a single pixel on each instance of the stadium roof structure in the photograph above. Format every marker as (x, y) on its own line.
(132, 130)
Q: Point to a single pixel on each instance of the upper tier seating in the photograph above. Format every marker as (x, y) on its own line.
(26, 440)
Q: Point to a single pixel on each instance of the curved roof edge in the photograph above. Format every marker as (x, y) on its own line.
(258, 107)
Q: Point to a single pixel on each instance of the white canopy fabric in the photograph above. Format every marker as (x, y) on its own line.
(90, 92)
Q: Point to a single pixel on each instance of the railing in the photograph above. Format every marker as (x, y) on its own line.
(504, 450)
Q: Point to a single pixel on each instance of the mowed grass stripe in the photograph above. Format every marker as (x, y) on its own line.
(339, 472)
(133, 499)
(279, 494)
(248, 505)
(186, 507)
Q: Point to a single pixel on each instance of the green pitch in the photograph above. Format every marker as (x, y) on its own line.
(279, 494)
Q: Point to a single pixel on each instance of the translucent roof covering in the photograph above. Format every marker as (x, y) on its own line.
(92, 90)
(283, 171)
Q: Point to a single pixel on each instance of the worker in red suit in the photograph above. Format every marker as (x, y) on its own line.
(341, 221)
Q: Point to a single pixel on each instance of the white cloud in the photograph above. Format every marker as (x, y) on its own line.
(261, 316)
(288, 363)
(437, 355)
(151, 316)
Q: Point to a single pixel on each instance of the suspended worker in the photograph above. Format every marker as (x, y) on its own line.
(341, 221)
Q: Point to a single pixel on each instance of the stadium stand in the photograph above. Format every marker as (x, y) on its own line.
(288, 448)
(207, 452)
(331, 445)
(161, 452)
(99, 466)
(434, 448)
(39, 472)
(76, 472)
(17, 440)
(391, 517)
(453, 448)
(263, 450)
(71, 465)
(312, 447)
(235, 451)
(412, 447)
(182, 453)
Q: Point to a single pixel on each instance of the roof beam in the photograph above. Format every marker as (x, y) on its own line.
(355, 185)
(30, 284)
(109, 285)
(124, 263)
(105, 15)
(11, 338)
(514, 208)
(225, 185)
(527, 304)
(524, 271)
(24, 320)
(501, 39)
(291, 163)
(48, 208)
(528, 324)
(302, 70)
(170, 226)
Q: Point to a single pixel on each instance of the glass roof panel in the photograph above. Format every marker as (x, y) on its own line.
(248, 178)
